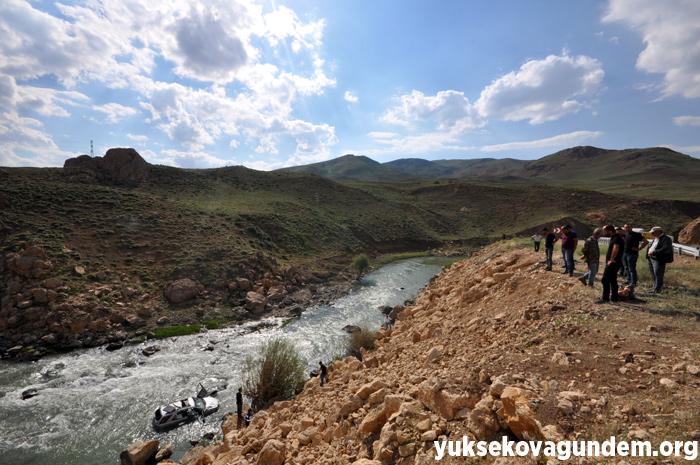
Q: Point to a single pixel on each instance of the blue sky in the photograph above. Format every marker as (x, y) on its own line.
(200, 84)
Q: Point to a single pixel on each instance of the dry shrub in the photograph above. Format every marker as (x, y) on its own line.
(276, 374)
(363, 338)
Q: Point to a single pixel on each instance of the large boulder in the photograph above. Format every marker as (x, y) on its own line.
(691, 233)
(139, 452)
(518, 414)
(181, 290)
(126, 166)
(272, 453)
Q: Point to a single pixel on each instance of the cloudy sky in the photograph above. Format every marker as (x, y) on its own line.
(208, 83)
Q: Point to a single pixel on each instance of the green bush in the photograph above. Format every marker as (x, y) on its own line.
(277, 373)
(362, 338)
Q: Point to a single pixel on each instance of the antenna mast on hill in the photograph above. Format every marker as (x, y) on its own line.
(92, 151)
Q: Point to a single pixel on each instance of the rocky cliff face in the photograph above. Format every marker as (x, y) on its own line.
(496, 346)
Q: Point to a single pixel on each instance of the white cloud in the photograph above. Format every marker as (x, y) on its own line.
(208, 47)
(564, 140)
(234, 86)
(284, 23)
(450, 109)
(687, 120)
(24, 143)
(262, 165)
(671, 32)
(140, 139)
(688, 149)
(115, 112)
(350, 97)
(542, 90)
(383, 135)
(418, 144)
(190, 159)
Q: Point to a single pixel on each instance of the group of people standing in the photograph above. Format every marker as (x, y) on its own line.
(621, 258)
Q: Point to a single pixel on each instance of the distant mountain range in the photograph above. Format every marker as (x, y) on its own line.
(361, 168)
(661, 171)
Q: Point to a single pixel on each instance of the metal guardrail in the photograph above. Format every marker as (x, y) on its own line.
(678, 249)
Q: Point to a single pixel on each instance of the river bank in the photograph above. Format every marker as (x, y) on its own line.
(42, 312)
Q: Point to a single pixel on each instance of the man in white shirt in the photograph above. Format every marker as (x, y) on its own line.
(537, 237)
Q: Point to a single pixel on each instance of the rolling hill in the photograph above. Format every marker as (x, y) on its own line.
(349, 168)
(656, 172)
(650, 172)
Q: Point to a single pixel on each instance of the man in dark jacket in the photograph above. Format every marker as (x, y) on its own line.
(659, 253)
(549, 240)
(612, 265)
(239, 402)
(322, 371)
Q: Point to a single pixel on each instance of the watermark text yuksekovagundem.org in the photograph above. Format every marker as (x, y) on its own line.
(564, 450)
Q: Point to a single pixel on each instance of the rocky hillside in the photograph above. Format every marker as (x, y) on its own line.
(495, 346)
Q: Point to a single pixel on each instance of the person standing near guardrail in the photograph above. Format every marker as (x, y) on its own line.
(612, 266)
(537, 238)
(623, 267)
(634, 242)
(569, 242)
(659, 253)
(590, 254)
(549, 240)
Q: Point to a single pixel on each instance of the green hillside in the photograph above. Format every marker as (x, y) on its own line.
(349, 168)
(115, 248)
(206, 222)
(653, 172)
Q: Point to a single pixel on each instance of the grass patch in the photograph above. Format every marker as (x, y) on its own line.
(393, 258)
(213, 324)
(172, 331)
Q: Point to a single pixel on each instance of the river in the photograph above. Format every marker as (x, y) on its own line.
(92, 403)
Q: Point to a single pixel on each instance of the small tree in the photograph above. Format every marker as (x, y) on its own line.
(277, 373)
(361, 264)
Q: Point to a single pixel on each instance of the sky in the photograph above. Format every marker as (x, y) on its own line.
(276, 83)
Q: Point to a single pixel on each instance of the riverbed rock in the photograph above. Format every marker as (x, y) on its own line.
(165, 451)
(139, 452)
(181, 290)
(255, 302)
(148, 351)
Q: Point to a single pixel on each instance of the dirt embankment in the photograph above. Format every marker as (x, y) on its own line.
(495, 346)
